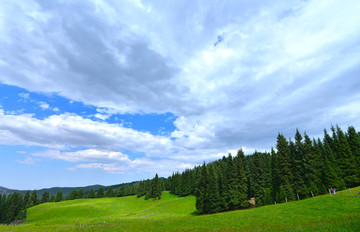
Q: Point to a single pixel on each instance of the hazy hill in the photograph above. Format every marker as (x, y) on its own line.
(66, 190)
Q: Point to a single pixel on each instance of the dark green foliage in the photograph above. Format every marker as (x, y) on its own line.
(296, 169)
(12, 207)
(100, 192)
(81, 193)
(91, 193)
(33, 199)
(311, 166)
(74, 194)
(284, 162)
(241, 180)
(298, 164)
(353, 139)
(213, 194)
(26, 199)
(59, 196)
(201, 192)
(141, 191)
(153, 189)
(45, 197)
(110, 192)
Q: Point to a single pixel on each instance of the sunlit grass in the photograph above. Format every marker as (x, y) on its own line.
(341, 212)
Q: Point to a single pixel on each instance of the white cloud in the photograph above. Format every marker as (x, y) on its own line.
(27, 161)
(24, 95)
(111, 168)
(281, 65)
(85, 155)
(67, 130)
(43, 105)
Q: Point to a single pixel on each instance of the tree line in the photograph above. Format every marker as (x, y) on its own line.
(13, 206)
(296, 169)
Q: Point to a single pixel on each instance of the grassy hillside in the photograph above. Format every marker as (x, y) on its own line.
(338, 213)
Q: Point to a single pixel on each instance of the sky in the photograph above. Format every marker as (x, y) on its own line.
(108, 92)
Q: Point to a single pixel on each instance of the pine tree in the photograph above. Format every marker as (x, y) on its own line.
(110, 192)
(330, 168)
(81, 194)
(241, 180)
(59, 196)
(141, 191)
(26, 199)
(346, 160)
(298, 160)
(275, 178)
(100, 192)
(33, 199)
(14, 208)
(155, 189)
(284, 162)
(213, 195)
(91, 193)
(231, 191)
(353, 139)
(310, 167)
(73, 194)
(201, 192)
(45, 197)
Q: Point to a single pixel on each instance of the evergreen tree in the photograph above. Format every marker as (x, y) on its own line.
(91, 193)
(298, 159)
(81, 194)
(231, 192)
(26, 199)
(110, 192)
(142, 189)
(155, 189)
(284, 162)
(311, 166)
(59, 196)
(45, 197)
(213, 194)
(275, 178)
(122, 190)
(33, 199)
(241, 180)
(149, 191)
(330, 169)
(346, 160)
(73, 194)
(14, 209)
(100, 192)
(201, 192)
(353, 139)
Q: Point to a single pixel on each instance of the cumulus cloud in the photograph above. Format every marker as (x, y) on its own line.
(280, 66)
(67, 131)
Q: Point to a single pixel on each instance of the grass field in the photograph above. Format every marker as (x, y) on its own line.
(341, 212)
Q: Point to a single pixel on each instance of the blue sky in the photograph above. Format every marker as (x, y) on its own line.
(105, 92)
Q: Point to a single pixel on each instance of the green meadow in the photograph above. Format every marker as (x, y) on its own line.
(341, 212)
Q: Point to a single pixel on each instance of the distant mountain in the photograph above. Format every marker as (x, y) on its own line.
(66, 190)
(6, 191)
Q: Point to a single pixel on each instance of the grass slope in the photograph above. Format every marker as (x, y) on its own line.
(324, 213)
